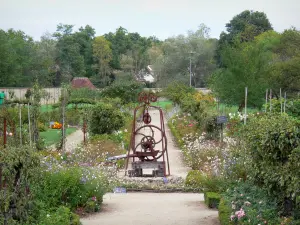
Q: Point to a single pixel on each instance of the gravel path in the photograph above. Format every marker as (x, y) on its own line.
(156, 208)
(72, 141)
(153, 209)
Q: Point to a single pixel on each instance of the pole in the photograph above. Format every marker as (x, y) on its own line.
(270, 100)
(63, 131)
(266, 100)
(246, 95)
(284, 102)
(29, 130)
(20, 115)
(191, 70)
(4, 132)
(280, 102)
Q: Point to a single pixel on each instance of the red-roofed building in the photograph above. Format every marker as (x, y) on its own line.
(82, 82)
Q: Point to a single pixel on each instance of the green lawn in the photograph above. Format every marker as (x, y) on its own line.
(49, 108)
(162, 104)
(52, 136)
(233, 109)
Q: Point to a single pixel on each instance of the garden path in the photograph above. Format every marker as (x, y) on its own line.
(72, 141)
(156, 208)
(153, 209)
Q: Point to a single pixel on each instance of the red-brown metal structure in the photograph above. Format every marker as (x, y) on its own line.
(148, 148)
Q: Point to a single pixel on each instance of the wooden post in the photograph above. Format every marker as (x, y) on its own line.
(280, 102)
(246, 95)
(20, 116)
(270, 100)
(266, 100)
(4, 132)
(63, 112)
(29, 130)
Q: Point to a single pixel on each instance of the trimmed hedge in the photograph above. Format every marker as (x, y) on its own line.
(224, 212)
(212, 199)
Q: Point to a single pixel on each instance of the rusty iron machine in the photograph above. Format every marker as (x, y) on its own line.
(148, 144)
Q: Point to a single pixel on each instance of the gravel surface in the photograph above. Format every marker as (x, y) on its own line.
(153, 209)
(72, 141)
(156, 208)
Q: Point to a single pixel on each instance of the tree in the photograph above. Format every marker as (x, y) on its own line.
(246, 25)
(120, 44)
(70, 61)
(286, 67)
(103, 54)
(174, 64)
(44, 60)
(84, 37)
(246, 64)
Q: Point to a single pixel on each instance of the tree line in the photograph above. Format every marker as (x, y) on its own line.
(250, 53)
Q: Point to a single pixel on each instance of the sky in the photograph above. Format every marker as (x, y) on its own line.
(162, 18)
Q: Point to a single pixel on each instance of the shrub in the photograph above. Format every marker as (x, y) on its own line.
(248, 205)
(195, 179)
(71, 187)
(126, 91)
(292, 106)
(199, 180)
(42, 127)
(212, 199)
(84, 93)
(18, 167)
(273, 147)
(61, 216)
(105, 119)
(176, 90)
(224, 212)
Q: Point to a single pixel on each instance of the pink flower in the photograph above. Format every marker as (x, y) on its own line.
(240, 213)
(232, 217)
(190, 125)
(94, 198)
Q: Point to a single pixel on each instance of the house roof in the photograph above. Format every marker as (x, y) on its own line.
(82, 82)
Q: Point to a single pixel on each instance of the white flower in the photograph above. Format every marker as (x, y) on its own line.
(48, 215)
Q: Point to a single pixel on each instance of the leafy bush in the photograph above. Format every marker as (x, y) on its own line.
(42, 127)
(176, 90)
(224, 212)
(71, 187)
(105, 119)
(61, 216)
(195, 179)
(18, 167)
(199, 180)
(84, 93)
(126, 91)
(273, 148)
(212, 199)
(249, 205)
(292, 106)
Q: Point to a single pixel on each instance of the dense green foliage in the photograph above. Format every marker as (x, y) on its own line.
(244, 26)
(292, 107)
(171, 61)
(269, 61)
(250, 53)
(212, 199)
(105, 119)
(18, 168)
(274, 152)
(71, 187)
(126, 91)
(247, 204)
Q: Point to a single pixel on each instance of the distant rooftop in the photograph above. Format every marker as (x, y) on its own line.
(82, 82)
